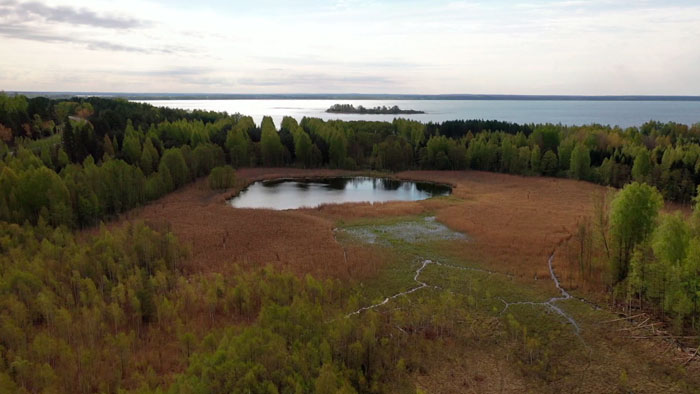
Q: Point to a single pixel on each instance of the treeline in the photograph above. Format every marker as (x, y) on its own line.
(383, 110)
(665, 155)
(23, 118)
(652, 258)
(66, 185)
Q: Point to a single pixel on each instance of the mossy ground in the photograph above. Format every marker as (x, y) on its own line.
(524, 347)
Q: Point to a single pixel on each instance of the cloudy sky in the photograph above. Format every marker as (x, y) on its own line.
(360, 46)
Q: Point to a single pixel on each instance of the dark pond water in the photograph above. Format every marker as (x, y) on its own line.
(292, 194)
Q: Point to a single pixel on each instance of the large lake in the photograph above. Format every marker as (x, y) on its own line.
(620, 113)
(293, 194)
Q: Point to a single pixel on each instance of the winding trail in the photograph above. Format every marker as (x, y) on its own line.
(421, 285)
(345, 252)
(551, 302)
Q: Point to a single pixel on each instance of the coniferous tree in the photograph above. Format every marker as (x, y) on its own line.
(270, 145)
(69, 140)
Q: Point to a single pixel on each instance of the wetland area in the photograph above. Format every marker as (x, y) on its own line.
(477, 284)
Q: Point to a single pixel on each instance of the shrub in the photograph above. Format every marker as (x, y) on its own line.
(222, 177)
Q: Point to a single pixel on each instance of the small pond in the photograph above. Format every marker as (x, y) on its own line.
(293, 194)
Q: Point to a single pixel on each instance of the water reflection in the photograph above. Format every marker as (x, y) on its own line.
(292, 194)
(337, 183)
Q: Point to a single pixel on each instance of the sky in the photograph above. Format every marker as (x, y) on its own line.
(579, 47)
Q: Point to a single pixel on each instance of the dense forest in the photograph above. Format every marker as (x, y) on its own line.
(74, 312)
(664, 155)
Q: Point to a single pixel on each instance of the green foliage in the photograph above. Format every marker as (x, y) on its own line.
(350, 109)
(394, 154)
(108, 147)
(13, 112)
(642, 166)
(411, 130)
(238, 142)
(40, 193)
(149, 158)
(70, 311)
(206, 157)
(546, 137)
(103, 126)
(509, 158)
(271, 147)
(80, 141)
(73, 315)
(297, 343)
(536, 160)
(580, 166)
(131, 147)
(338, 150)
(565, 151)
(68, 139)
(550, 163)
(46, 157)
(524, 156)
(665, 272)
(633, 216)
(303, 148)
(671, 239)
(444, 154)
(222, 177)
(121, 187)
(695, 218)
(63, 159)
(174, 163)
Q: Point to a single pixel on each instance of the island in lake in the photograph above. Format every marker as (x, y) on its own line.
(383, 110)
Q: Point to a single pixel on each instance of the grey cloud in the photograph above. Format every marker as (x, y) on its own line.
(27, 33)
(27, 21)
(70, 15)
(169, 72)
(200, 76)
(315, 79)
(316, 61)
(207, 81)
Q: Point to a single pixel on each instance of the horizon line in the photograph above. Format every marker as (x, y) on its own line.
(368, 96)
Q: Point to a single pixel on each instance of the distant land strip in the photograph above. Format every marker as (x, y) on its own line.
(351, 96)
(378, 110)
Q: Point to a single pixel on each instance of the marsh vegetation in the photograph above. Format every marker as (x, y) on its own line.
(123, 269)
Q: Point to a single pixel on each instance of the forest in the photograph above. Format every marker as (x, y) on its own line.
(384, 110)
(76, 310)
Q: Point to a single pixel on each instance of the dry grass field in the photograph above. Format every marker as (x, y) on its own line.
(219, 236)
(516, 222)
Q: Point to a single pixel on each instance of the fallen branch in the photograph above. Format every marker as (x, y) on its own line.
(622, 318)
(693, 356)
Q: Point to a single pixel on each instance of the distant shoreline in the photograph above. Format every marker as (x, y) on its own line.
(353, 96)
(360, 110)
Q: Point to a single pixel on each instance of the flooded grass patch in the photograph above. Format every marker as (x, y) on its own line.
(421, 230)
